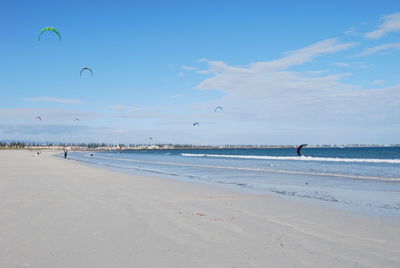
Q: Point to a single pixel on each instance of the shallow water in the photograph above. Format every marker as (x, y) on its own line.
(361, 179)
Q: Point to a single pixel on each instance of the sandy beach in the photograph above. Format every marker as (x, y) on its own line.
(62, 213)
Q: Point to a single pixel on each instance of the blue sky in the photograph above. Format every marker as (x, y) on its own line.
(285, 72)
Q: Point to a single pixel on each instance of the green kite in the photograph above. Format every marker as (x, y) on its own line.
(51, 29)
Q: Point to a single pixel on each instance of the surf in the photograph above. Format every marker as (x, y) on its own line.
(325, 174)
(299, 158)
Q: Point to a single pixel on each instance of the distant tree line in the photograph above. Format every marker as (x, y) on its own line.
(94, 145)
(13, 144)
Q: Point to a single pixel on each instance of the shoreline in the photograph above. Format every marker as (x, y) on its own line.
(389, 213)
(61, 213)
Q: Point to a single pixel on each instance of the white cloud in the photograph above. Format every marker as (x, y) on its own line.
(268, 93)
(380, 49)
(291, 58)
(303, 55)
(391, 23)
(50, 99)
(271, 74)
(341, 64)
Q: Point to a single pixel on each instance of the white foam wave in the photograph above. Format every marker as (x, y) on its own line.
(299, 158)
(254, 169)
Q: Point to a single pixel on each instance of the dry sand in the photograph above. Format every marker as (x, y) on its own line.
(61, 213)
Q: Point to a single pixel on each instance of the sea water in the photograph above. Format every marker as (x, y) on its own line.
(366, 179)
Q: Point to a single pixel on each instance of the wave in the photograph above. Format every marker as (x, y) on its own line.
(299, 158)
(253, 169)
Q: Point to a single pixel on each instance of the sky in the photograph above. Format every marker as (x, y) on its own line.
(285, 72)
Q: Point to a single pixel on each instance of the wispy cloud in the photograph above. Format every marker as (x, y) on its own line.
(364, 65)
(57, 100)
(117, 107)
(54, 132)
(353, 32)
(378, 82)
(380, 49)
(177, 96)
(391, 23)
(303, 55)
(120, 107)
(35, 129)
(188, 68)
(341, 64)
(317, 72)
(291, 58)
(29, 114)
(140, 114)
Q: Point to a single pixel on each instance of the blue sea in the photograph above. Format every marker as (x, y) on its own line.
(365, 179)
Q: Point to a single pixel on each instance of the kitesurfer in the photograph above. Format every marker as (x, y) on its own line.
(298, 150)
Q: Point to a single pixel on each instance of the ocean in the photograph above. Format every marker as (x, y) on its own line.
(364, 179)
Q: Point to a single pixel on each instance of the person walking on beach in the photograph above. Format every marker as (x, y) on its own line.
(65, 153)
